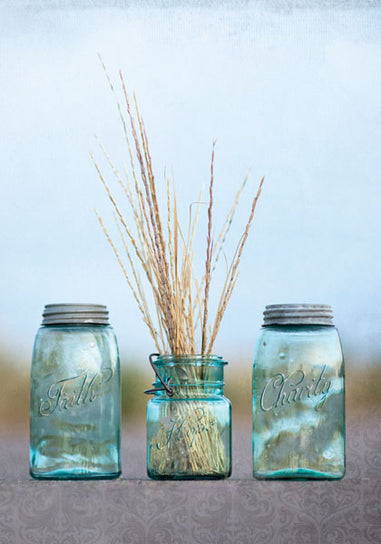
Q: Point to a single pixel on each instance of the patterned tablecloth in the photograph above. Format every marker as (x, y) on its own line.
(136, 510)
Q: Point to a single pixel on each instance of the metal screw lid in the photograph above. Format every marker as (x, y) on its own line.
(55, 314)
(298, 314)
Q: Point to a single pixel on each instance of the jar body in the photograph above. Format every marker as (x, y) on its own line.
(298, 403)
(75, 403)
(189, 434)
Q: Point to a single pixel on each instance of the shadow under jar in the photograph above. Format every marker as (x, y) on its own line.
(298, 395)
(189, 419)
(75, 395)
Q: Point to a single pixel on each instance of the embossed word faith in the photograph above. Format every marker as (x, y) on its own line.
(74, 391)
(282, 390)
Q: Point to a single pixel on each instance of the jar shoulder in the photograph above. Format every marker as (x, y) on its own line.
(290, 343)
(71, 346)
(273, 336)
(298, 331)
(53, 330)
(66, 334)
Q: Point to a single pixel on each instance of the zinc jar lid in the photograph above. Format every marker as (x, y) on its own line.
(298, 314)
(55, 314)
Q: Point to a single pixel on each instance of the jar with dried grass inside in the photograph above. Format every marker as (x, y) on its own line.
(189, 419)
(177, 295)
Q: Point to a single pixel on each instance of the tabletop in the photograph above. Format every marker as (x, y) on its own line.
(136, 510)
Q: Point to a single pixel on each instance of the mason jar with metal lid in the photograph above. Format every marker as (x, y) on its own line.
(298, 395)
(75, 395)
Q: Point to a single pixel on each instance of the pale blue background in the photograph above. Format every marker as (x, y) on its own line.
(293, 93)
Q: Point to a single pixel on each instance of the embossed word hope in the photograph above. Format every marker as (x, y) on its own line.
(187, 428)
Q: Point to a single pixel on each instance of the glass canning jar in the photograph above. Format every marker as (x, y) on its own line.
(298, 395)
(75, 395)
(189, 419)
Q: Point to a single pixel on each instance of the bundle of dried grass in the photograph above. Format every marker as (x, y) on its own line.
(154, 243)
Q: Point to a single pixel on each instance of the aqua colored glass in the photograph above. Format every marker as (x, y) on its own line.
(298, 396)
(188, 419)
(75, 396)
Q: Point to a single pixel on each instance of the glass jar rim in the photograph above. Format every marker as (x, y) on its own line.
(190, 359)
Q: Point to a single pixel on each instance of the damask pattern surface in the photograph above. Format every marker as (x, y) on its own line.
(135, 510)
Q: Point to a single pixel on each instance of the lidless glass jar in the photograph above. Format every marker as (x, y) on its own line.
(298, 395)
(75, 395)
(189, 419)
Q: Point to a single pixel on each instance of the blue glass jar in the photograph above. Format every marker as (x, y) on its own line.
(298, 395)
(189, 419)
(75, 395)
